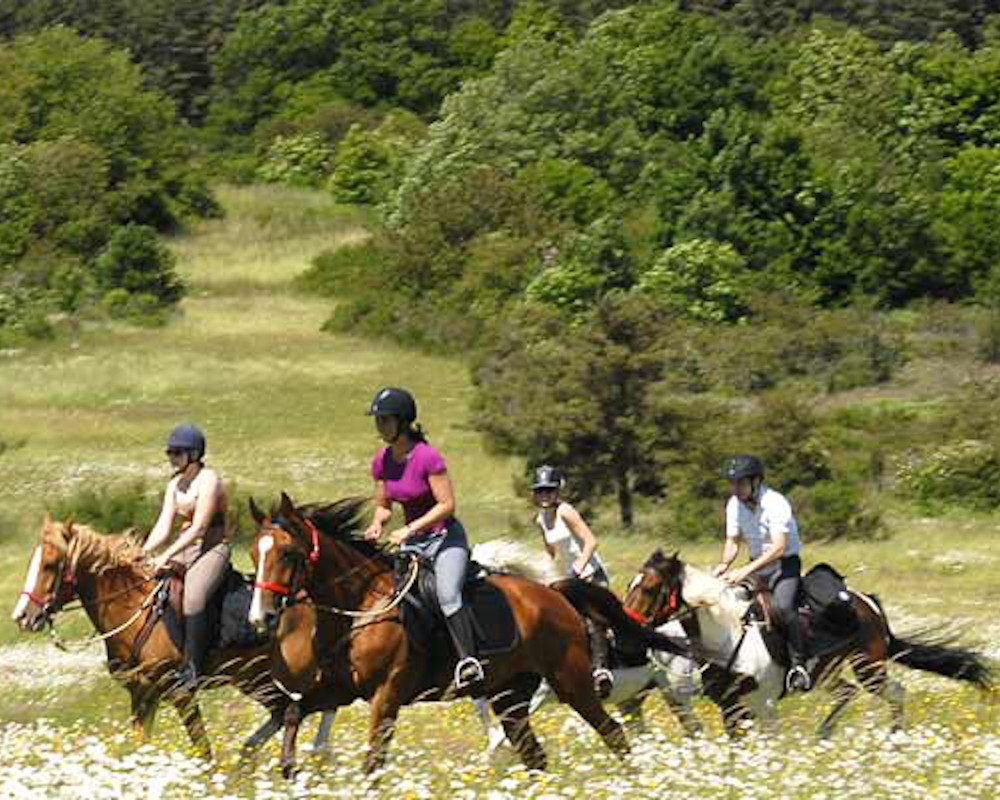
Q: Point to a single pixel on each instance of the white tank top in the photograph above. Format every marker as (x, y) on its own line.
(566, 545)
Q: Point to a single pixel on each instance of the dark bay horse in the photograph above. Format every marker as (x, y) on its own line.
(73, 561)
(745, 676)
(360, 649)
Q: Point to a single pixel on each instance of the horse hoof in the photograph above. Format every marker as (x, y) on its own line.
(288, 771)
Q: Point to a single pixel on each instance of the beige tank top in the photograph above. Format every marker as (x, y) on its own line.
(186, 501)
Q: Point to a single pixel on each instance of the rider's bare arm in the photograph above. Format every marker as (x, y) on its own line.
(730, 550)
(383, 511)
(208, 504)
(161, 530)
(443, 508)
(582, 532)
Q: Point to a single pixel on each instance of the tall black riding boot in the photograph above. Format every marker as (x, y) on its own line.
(469, 670)
(604, 681)
(196, 641)
(798, 678)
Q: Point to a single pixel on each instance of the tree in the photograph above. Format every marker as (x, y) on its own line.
(582, 395)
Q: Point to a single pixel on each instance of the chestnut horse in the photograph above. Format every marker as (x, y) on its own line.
(713, 614)
(360, 649)
(104, 571)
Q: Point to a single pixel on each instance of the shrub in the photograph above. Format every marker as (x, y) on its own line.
(701, 279)
(835, 510)
(966, 473)
(110, 508)
(137, 261)
(301, 160)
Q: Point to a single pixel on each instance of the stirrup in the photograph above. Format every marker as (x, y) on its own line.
(604, 682)
(186, 679)
(798, 680)
(469, 671)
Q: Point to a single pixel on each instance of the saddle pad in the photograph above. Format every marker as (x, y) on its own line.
(493, 621)
(235, 629)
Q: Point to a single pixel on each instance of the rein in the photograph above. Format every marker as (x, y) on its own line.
(312, 559)
(82, 643)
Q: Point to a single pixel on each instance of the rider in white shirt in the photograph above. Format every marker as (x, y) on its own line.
(570, 542)
(763, 518)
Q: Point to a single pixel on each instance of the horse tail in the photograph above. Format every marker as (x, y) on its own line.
(513, 558)
(602, 606)
(941, 655)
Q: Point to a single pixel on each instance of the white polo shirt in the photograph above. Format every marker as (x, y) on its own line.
(772, 514)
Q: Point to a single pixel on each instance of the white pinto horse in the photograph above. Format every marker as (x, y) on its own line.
(673, 676)
(749, 679)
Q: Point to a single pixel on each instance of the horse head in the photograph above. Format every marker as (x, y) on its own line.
(656, 592)
(49, 583)
(283, 549)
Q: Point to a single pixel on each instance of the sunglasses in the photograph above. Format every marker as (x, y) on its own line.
(175, 451)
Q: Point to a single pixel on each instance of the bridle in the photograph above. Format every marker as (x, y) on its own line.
(665, 606)
(296, 590)
(62, 592)
(300, 575)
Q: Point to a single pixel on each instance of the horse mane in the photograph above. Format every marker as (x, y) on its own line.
(101, 551)
(700, 588)
(342, 520)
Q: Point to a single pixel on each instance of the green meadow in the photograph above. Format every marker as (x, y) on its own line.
(283, 406)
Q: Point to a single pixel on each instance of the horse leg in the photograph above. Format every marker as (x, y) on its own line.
(677, 695)
(144, 704)
(293, 718)
(574, 685)
(321, 741)
(511, 707)
(727, 692)
(495, 735)
(631, 711)
(381, 726)
(264, 732)
(190, 714)
(843, 692)
(874, 676)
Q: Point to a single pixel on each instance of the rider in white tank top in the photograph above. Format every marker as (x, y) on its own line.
(567, 546)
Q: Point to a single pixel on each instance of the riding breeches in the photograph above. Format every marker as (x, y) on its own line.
(785, 591)
(203, 577)
(450, 554)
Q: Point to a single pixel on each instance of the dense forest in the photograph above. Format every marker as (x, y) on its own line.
(639, 214)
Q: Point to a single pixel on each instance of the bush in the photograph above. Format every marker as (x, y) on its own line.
(111, 508)
(136, 261)
(966, 473)
(302, 160)
(835, 510)
(701, 279)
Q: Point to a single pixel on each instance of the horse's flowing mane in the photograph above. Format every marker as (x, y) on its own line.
(343, 522)
(701, 588)
(99, 551)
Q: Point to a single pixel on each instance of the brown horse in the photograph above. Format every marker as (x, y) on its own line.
(103, 571)
(361, 649)
(744, 674)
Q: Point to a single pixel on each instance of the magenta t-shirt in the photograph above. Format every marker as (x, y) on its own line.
(407, 483)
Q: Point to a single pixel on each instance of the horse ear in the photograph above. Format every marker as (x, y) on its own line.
(69, 527)
(255, 512)
(287, 506)
(677, 555)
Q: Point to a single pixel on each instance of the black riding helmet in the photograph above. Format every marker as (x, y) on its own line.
(394, 402)
(743, 466)
(187, 437)
(547, 477)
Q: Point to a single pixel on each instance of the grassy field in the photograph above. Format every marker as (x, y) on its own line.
(283, 405)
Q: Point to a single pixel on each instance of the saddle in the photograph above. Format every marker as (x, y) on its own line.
(229, 611)
(825, 616)
(492, 618)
